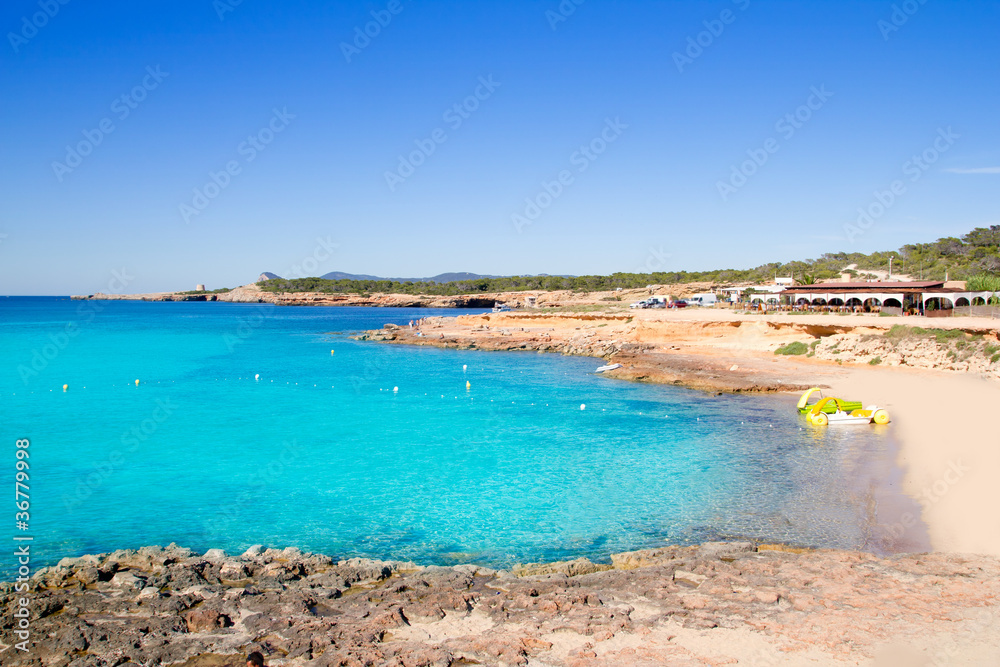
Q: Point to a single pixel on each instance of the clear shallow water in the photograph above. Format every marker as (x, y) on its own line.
(320, 453)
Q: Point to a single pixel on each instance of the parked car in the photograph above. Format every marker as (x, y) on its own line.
(651, 302)
(657, 302)
(680, 303)
(707, 299)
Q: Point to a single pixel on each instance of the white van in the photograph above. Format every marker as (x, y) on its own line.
(706, 299)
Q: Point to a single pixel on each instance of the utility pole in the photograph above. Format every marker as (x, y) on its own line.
(890, 268)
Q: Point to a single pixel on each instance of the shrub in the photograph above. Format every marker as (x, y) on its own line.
(944, 335)
(902, 331)
(983, 282)
(875, 362)
(794, 348)
(941, 335)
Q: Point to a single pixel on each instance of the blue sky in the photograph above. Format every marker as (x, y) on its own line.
(642, 109)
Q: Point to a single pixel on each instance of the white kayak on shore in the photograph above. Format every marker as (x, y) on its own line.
(609, 367)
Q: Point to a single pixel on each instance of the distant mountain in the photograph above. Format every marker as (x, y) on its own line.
(452, 277)
(340, 275)
(440, 278)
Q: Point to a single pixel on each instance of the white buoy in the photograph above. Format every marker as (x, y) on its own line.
(465, 367)
(395, 390)
(583, 406)
(257, 377)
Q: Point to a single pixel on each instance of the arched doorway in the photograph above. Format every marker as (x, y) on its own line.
(938, 304)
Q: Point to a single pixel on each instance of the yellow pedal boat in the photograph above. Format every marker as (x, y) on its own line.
(819, 416)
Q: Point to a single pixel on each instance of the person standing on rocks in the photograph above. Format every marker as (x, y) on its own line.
(255, 659)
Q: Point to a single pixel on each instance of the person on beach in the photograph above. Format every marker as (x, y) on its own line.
(255, 659)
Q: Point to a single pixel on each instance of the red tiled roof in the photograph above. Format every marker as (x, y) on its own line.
(873, 287)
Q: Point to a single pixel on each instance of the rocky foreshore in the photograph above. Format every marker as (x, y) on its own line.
(716, 349)
(714, 604)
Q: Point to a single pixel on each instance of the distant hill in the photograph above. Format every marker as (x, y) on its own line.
(975, 256)
(440, 278)
(452, 277)
(267, 275)
(340, 275)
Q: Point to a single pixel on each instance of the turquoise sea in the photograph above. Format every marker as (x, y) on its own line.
(322, 452)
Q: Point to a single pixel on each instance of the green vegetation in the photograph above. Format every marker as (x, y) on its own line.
(974, 257)
(795, 348)
(875, 362)
(983, 282)
(900, 331)
(812, 348)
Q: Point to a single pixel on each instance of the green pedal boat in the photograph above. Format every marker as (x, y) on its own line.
(830, 407)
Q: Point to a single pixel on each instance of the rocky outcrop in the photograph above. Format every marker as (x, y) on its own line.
(712, 350)
(961, 352)
(648, 351)
(164, 606)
